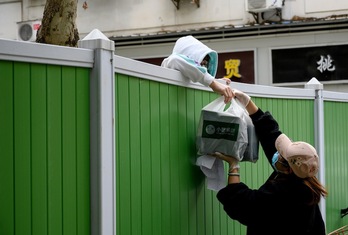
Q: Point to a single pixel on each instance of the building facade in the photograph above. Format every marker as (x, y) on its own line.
(280, 43)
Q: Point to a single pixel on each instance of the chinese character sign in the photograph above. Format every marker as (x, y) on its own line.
(232, 68)
(238, 66)
(325, 64)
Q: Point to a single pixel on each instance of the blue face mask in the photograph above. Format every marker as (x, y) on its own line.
(275, 159)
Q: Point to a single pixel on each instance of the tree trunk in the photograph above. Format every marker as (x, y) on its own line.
(58, 25)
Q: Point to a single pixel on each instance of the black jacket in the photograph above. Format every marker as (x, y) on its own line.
(280, 205)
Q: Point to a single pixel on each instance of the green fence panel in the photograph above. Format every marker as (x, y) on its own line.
(159, 188)
(7, 149)
(44, 166)
(336, 161)
(22, 158)
(39, 149)
(44, 170)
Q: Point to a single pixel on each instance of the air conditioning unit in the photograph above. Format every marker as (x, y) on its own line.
(263, 5)
(27, 30)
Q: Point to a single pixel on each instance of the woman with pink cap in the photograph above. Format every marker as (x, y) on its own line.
(287, 203)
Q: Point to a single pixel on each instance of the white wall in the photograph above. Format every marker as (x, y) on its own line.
(116, 18)
(313, 6)
(120, 17)
(10, 14)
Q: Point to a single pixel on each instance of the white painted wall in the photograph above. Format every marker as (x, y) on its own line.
(10, 14)
(314, 6)
(120, 17)
(116, 18)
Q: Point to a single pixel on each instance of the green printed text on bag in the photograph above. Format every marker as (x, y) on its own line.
(220, 130)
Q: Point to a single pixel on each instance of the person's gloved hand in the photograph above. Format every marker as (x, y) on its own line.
(232, 161)
(242, 97)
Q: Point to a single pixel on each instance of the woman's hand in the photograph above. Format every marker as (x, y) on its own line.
(232, 161)
(233, 172)
(243, 98)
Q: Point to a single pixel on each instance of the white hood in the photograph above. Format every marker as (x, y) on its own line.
(194, 49)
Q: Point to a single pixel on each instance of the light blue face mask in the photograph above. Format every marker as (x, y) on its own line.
(275, 159)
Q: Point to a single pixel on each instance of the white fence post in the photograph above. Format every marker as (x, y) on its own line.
(102, 134)
(319, 134)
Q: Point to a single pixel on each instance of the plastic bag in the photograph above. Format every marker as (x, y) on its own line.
(229, 131)
(251, 153)
(222, 130)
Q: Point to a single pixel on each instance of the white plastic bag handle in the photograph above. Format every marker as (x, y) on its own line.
(236, 108)
(216, 105)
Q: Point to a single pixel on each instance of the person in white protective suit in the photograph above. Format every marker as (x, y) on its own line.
(198, 63)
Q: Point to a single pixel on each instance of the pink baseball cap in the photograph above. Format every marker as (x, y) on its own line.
(301, 156)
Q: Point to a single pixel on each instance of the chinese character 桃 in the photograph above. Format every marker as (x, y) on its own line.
(232, 68)
(325, 64)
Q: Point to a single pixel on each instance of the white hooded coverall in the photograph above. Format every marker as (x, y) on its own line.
(187, 56)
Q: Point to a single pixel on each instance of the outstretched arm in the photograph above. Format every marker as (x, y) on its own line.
(266, 127)
(251, 108)
(222, 89)
(196, 73)
(244, 99)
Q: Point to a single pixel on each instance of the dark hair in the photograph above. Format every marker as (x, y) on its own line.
(207, 58)
(316, 188)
